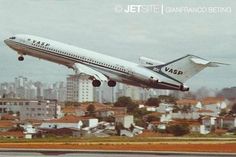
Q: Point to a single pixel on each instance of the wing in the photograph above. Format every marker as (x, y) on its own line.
(83, 69)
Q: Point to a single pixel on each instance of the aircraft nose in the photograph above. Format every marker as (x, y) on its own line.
(6, 41)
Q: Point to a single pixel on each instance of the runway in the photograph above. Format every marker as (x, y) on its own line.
(93, 153)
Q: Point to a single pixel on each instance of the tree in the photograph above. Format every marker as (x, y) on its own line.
(223, 112)
(123, 101)
(10, 112)
(126, 102)
(118, 127)
(233, 109)
(176, 108)
(140, 122)
(178, 130)
(140, 112)
(91, 110)
(131, 127)
(151, 118)
(167, 99)
(186, 109)
(109, 119)
(153, 102)
(71, 103)
(17, 128)
(18, 113)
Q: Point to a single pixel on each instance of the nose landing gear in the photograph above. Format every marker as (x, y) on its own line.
(20, 58)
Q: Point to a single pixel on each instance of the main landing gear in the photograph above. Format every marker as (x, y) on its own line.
(111, 83)
(96, 83)
(20, 58)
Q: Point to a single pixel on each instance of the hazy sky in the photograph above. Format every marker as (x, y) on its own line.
(98, 26)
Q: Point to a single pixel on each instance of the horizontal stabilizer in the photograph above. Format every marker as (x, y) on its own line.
(200, 61)
(216, 64)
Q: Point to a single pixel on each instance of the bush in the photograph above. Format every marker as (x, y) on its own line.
(178, 130)
(91, 110)
(140, 122)
(162, 131)
(152, 102)
(232, 130)
(118, 127)
(233, 109)
(126, 102)
(151, 118)
(140, 112)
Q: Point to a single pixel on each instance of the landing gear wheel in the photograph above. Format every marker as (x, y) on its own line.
(111, 83)
(20, 58)
(96, 83)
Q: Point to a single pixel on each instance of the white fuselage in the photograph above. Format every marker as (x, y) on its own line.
(114, 68)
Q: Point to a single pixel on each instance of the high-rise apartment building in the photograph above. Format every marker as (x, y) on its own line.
(79, 88)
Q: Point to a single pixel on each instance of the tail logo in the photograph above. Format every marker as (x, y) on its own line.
(156, 69)
(174, 71)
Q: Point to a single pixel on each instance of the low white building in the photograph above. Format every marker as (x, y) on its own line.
(214, 104)
(204, 130)
(165, 118)
(164, 107)
(126, 120)
(227, 122)
(189, 104)
(181, 115)
(70, 121)
(138, 130)
(29, 130)
(208, 123)
(151, 108)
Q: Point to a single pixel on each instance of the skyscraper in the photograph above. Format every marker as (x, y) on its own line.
(79, 88)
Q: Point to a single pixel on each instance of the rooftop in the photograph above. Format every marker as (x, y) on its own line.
(9, 117)
(188, 122)
(212, 100)
(187, 102)
(97, 106)
(12, 133)
(68, 119)
(6, 124)
(205, 111)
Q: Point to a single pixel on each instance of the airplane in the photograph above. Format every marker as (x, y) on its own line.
(148, 73)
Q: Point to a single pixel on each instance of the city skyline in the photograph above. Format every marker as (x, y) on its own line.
(63, 79)
(127, 36)
(81, 90)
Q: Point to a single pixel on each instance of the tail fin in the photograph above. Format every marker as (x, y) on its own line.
(184, 68)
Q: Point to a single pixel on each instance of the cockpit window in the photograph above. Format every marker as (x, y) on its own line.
(12, 38)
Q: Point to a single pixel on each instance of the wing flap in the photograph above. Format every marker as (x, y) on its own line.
(83, 69)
